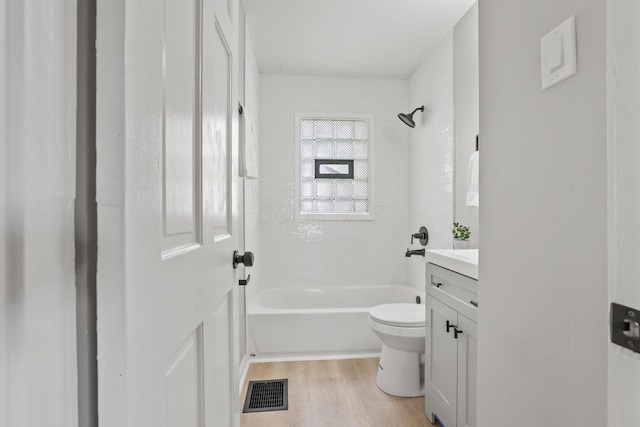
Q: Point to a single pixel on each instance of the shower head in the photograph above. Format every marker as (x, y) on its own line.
(407, 119)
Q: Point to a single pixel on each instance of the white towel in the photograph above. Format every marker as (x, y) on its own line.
(473, 172)
(248, 158)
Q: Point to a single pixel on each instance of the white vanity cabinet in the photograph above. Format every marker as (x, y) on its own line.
(451, 347)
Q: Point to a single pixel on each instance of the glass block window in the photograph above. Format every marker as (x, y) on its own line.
(334, 167)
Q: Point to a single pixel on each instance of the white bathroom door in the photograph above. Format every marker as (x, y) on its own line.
(167, 213)
(624, 201)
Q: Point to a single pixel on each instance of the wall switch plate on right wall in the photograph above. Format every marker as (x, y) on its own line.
(558, 53)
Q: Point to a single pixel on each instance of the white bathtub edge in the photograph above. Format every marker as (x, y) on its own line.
(306, 358)
(255, 306)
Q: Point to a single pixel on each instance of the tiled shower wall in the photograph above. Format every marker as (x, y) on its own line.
(431, 153)
(317, 254)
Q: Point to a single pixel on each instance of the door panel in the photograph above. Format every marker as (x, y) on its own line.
(219, 108)
(167, 190)
(179, 115)
(226, 12)
(467, 372)
(224, 363)
(441, 362)
(184, 384)
(181, 120)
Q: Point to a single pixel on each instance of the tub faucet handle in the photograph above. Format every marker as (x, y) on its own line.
(422, 235)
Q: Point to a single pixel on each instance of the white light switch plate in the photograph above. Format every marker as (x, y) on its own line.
(558, 53)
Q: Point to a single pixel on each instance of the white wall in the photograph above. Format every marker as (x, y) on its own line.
(543, 314)
(466, 100)
(431, 153)
(317, 254)
(623, 64)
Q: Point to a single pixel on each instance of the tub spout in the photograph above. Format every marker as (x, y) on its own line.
(414, 252)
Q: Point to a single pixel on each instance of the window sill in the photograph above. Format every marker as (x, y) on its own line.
(335, 217)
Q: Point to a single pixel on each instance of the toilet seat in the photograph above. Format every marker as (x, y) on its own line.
(399, 315)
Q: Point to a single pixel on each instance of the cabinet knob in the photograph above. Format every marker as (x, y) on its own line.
(449, 326)
(456, 331)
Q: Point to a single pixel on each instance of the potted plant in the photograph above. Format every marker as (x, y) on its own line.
(461, 236)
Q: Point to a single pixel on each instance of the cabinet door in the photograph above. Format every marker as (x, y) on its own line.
(440, 362)
(467, 371)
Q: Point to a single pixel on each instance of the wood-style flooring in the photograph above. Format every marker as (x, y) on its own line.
(332, 393)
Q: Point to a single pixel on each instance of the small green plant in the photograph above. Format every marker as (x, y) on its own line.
(460, 232)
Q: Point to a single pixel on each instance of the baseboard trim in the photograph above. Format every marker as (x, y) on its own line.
(244, 369)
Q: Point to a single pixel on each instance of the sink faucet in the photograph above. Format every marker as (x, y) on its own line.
(414, 252)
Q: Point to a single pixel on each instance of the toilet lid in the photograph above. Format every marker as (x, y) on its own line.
(410, 315)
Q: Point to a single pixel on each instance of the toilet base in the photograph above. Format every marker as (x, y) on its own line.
(400, 373)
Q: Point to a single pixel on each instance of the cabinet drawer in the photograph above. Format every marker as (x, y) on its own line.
(458, 291)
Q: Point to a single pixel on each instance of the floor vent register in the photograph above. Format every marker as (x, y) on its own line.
(268, 395)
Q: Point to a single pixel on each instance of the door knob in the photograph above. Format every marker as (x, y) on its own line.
(246, 259)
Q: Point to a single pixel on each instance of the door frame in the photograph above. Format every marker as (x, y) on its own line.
(37, 190)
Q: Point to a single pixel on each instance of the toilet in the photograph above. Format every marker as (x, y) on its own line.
(401, 329)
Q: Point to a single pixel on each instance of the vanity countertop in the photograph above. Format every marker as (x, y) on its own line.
(463, 261)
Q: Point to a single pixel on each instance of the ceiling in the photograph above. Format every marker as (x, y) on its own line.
(348, 38)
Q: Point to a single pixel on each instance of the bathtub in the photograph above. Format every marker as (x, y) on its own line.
(299, 324)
